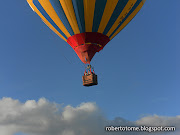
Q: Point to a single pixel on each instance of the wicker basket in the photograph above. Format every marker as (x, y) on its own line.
(90, 80)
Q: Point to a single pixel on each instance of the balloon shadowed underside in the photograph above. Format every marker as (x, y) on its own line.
(86, 25)
(87, 44)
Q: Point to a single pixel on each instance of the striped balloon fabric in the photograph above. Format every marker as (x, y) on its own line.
(87, 25)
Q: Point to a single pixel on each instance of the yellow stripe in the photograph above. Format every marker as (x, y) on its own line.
(108, 11)
(28, 1)
(69, 12)
(123, 14)
(44, 19)
(89, 6)
(51, 12)
(128, 19)
(94, 44)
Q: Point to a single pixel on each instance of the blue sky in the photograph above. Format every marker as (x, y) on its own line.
(139, 70)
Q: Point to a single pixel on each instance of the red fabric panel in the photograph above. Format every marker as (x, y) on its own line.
(87, 44)
(80, 38)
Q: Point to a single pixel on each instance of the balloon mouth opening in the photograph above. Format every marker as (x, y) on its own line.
(86, 52)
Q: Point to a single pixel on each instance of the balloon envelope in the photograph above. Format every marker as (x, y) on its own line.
(86, 25)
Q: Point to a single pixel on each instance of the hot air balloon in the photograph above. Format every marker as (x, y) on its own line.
(86, 25)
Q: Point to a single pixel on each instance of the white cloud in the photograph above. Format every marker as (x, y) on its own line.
(46, 118)
(160, 121)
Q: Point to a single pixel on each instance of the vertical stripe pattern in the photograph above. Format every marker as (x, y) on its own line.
(109, 9)
(79, 12)
(69, 12)
(98, 14)
(138, 5)
(89, 6)
(70, 17)
(125, 8)
(62, 16)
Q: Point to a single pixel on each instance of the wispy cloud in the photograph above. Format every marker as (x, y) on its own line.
(47, 118)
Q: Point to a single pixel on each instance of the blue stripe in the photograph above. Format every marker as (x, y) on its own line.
(60, 12)
(130, 12)
(117, 11)
(98, 13)
(43, 12)
(79, 12)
